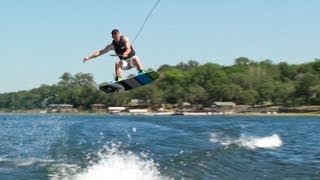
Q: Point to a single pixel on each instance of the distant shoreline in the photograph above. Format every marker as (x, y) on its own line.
(230, 111)
(33, 112)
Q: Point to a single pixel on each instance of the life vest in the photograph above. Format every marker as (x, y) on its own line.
(120, 48)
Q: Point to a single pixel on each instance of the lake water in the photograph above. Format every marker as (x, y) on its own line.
(158, 147)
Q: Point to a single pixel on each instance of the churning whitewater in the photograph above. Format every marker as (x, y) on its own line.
(158, 147)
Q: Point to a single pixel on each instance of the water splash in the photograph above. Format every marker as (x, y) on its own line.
(115, 164)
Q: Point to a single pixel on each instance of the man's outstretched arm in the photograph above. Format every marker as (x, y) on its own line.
(99, 53)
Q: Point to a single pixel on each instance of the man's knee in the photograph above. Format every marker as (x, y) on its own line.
(136, 61)
(118, 64)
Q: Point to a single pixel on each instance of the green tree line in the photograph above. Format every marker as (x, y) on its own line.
(245, 82)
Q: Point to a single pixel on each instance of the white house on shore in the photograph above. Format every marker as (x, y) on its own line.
(115, 110)
(138, 111)
(57, 108)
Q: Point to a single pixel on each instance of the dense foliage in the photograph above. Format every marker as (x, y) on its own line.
(245, 82)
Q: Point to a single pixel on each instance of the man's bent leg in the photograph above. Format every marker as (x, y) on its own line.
(118, 70)
(137, 63)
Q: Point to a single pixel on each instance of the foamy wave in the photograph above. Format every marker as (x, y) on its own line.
(114, 164)
(269, 142)
(32, 161)
(63, 171)
(25, 162)
(219, 138)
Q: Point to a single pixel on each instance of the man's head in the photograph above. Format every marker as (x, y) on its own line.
(116, 35)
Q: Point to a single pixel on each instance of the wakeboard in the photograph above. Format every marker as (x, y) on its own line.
(130, 83)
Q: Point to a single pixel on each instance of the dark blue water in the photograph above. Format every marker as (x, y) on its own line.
(158, 147)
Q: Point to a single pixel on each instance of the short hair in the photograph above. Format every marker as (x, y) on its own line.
(114, 31)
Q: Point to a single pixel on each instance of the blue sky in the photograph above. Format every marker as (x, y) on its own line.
(40, 40)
